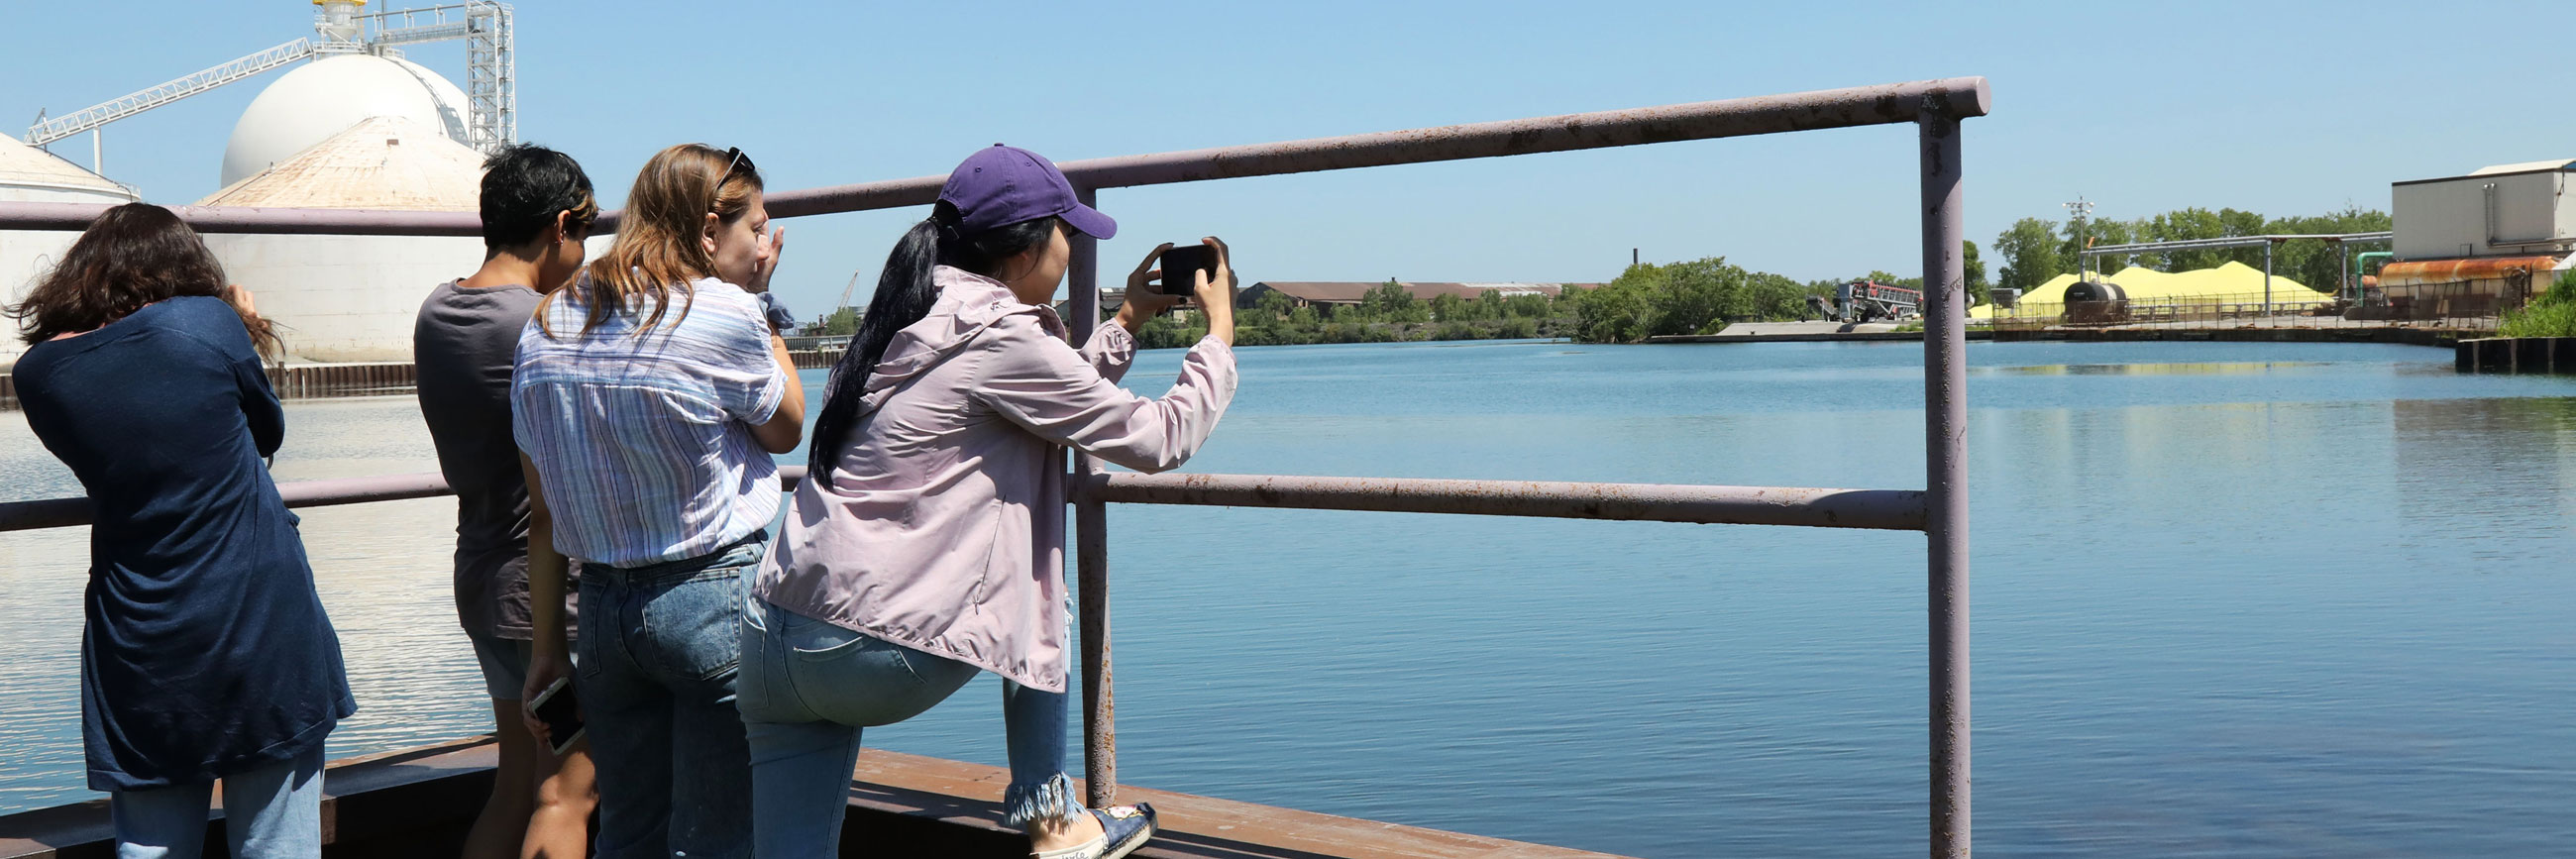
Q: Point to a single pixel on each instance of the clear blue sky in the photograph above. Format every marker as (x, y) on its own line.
(2277, 107)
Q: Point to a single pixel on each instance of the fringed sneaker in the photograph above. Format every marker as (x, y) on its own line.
(1123, 828)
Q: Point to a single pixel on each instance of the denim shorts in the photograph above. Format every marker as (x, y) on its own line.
(505, 665)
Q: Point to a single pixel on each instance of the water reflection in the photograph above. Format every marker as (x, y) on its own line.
(2198, 369)
(2249, 599)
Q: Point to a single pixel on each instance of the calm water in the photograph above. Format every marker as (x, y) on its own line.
(2241, 600)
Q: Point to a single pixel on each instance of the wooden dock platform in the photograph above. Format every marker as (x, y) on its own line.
(417, 804)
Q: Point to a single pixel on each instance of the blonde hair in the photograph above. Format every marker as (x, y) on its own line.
(657, 250)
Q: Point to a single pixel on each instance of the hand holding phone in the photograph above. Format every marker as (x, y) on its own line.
(560, 711)
(1182, 266)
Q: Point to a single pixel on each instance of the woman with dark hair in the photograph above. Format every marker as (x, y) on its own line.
(205, 654)
(537, 209)
(928, 541)
(647, 399)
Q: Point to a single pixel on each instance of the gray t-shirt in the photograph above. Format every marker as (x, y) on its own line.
(463, 346)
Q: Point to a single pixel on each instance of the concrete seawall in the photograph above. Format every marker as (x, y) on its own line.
(2516, 355)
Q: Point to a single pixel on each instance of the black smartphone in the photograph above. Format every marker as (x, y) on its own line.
(1179, 267)
(562, 714)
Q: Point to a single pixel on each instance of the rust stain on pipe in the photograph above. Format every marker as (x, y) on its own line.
(1899, 510)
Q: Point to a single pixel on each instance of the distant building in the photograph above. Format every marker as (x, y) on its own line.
(1308, 293)
(2493, 238)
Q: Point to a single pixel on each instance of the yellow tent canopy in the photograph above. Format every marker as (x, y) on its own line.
(2234, 280)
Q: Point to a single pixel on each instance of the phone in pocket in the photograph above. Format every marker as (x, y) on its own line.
(561, 711)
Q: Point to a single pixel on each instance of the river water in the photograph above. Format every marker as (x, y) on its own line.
(2230, 600)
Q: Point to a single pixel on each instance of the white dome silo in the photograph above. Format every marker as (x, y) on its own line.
(354, 298)
(32, 175)
(326, 96)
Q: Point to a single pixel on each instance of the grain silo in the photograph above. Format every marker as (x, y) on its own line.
(353, 298)
(352, 125)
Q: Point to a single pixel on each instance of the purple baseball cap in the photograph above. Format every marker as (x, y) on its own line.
(1003, 185)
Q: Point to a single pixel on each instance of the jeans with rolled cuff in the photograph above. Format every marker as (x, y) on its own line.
(808, 688)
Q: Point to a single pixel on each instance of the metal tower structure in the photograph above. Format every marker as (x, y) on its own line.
(491, 73)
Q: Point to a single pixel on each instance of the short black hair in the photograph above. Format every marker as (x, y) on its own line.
(524, 185)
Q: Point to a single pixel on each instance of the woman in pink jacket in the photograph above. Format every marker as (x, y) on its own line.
(928, 541)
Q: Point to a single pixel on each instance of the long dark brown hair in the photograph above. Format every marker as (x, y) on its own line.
(133, 255)
(905, 292)
(657, 251)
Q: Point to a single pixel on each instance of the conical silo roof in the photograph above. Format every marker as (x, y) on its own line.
(27, 167)
(384, 162)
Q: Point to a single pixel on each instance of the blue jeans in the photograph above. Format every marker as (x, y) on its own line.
(273, 812)
(659, 648)
(809, 686)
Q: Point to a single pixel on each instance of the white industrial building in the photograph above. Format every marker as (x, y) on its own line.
(352, 125)
(2494, 237)
(353, 298)
(32, 175)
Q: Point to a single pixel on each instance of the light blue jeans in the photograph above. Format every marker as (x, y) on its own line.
(659, 648)
(808, 687)
(273, 812)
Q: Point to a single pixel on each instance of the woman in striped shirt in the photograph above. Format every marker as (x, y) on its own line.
(647, 399)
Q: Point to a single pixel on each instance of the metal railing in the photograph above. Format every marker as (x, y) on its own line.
(2463, 306)
(1940, 510)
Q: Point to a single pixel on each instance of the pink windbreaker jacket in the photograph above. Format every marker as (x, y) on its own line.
(942, 527)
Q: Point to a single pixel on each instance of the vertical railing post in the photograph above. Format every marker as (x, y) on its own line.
(2267, 282)
(1091, 550)
(1945, 410)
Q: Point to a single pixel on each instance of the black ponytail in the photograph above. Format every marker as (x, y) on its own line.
(905, 293)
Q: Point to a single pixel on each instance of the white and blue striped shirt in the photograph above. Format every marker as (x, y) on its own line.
(643, 441)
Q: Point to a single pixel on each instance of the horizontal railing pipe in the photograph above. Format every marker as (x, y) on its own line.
(1887, 509)
(1886, 104)
(256, 219)
(67, 512)
(1850, 107)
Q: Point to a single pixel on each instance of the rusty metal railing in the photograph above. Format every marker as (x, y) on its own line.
(1940, 510)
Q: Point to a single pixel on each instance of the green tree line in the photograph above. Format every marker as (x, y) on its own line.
(2036, 249)
(1649, 299)
(1705, 295)
(1387, 313)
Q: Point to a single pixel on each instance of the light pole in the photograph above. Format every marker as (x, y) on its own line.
(2081, 213)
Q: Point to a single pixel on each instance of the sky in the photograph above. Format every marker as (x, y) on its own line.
(2281, 108)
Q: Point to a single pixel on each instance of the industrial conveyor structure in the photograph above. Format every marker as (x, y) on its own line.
(491, 68)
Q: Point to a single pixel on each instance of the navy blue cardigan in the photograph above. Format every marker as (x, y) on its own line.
(206, 650)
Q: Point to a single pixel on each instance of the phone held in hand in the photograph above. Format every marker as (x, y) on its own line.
(1181, 262)
(562, 714)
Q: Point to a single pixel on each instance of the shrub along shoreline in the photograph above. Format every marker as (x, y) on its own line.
(2553, 314)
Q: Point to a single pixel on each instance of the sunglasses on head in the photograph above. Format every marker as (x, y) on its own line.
(735, 160)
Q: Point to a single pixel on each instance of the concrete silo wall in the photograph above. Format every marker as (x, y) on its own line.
(24, 256)
(344, 298)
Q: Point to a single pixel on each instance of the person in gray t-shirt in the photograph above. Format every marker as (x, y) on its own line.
(537, 209)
